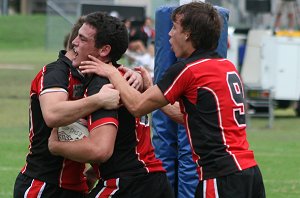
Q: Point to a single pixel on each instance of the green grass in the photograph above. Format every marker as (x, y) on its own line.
(35, 57)
(13, 149)
(277, 152)
(22, 31)
(276, 149)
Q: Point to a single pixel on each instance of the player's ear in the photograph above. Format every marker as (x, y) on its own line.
(104, 50)
(187, 35)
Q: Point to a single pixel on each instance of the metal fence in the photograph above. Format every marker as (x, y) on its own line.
(62, 14)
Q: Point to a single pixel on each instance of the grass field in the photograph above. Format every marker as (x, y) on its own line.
(22, 32)
(277, 150)
(22, 53)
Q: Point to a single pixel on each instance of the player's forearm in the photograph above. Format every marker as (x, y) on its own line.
(67, 112)
(136, 103)
(130, 97)
(81, 151)
(173, 112)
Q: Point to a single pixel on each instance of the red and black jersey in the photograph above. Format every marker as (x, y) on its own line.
(40, 164)
(133, 152)
(211, 98)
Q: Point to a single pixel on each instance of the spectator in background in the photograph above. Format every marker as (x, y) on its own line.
(127, 23)
(141, 45)
(149, 30)
(135, 43)
(290, 8)
(144, 33)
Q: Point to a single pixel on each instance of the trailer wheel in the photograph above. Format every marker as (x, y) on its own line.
(298, 109)
(283, 104)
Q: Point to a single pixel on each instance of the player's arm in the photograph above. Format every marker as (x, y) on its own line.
(138, 104)
(133, 77)
(145, 76)
(58, 111)
(173, 112)
(97, 148)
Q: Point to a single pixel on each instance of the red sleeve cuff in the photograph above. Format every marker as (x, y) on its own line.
(103, 121)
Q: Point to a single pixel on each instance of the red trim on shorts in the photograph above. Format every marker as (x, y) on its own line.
(210, 190)
(111, 186)
(35, 190)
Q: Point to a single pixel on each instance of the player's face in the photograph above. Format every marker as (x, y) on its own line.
(84, 44)
(178, 39)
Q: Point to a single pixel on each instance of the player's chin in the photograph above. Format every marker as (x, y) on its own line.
(75, 62)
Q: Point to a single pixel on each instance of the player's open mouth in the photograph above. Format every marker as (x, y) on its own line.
(171, 45)
(75, 51)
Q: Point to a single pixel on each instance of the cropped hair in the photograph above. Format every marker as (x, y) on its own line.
(203, 23)
(109, 31)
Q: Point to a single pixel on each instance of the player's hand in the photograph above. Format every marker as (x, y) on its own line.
(91, 178)
(52, 140)
(109, 97)
(134, 78)
(96, 66)
(147, 79)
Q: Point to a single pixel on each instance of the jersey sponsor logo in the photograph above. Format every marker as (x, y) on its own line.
(78, 91)
(144, 120)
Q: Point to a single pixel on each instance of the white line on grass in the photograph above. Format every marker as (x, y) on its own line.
(16, 67)
(5, 168)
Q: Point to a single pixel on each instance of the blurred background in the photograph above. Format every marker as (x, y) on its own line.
(63, 13)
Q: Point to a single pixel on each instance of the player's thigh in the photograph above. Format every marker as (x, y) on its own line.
(246, 183)
(21, 184)
(32, 188)
(153, 185)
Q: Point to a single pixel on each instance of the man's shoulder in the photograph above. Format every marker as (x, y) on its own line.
(62, 62)
(178, 65)
(57, 65)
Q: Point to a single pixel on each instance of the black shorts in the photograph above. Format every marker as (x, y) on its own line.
(245, 183)
(32, 188)
(152, 185)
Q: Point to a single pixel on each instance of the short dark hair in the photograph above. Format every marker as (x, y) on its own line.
(109, 31)
(203, 23)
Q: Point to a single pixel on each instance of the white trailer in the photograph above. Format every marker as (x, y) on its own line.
(272, 63)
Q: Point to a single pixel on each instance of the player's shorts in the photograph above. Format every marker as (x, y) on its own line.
(245, 183)
(28, 187)
(152, 185)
